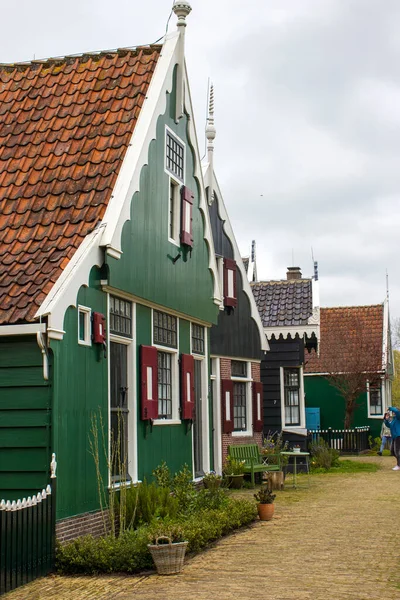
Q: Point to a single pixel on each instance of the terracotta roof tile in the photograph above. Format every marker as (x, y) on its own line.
(283, 303)
(355, 329)
(64, 129)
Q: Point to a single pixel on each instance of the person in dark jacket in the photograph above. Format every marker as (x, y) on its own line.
(394, 426)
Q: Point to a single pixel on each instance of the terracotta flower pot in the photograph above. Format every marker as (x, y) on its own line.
(212, 485)
(265, 511)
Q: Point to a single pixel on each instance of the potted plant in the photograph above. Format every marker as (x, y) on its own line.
(167, 549)
(296, 448)
(212, 481)
(265, 503)
(234, 472)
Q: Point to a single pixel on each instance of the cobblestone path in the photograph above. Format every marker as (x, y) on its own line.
(333, 541)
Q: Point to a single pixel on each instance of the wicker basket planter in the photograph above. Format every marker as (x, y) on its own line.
(168, 557)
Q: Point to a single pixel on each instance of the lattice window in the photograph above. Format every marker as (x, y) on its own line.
(375, 401)
(175, 156)
(239, 406)
(120, 317)
(238, 368)
(292, 396)
(197, 339)
(164, 360)
(164, 329)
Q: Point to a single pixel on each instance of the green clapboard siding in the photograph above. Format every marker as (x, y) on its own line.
(25, 419)
(172, 443)
(321, 394)
(146, 268)
(80, 394)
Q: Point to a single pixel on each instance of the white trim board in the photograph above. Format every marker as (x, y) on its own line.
(29, 329)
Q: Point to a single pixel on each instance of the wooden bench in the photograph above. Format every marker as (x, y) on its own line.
(254, 461)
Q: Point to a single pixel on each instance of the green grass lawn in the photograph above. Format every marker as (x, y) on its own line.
(350, 466)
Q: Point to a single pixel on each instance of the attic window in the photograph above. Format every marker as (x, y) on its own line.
(84, 333)
(174, 156)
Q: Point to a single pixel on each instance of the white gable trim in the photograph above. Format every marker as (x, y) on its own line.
(239, 262)
(64, 292)
(385, 334)
(292, 330)
(108, 234)
(128, 181)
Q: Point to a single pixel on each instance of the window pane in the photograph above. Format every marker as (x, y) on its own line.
(197, 339)
(292, 396)
(164, 360)
(120, 316)
(174, 156)
(82, 323)
(239, 406)
(375, 401)
(164, 329)
(239, 368)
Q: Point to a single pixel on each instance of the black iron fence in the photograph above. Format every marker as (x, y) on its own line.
(346, 441)
(27, 537)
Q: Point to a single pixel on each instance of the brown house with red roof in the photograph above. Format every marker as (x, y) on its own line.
(353, 339)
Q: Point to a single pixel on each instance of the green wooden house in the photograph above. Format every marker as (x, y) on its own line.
(354, 339)
(109, 282)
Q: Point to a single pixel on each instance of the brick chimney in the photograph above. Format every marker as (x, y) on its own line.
(293, 273)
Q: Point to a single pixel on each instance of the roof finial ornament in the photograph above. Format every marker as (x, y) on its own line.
(181, 8)
(210, 136)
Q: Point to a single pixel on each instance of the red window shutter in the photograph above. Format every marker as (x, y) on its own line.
(230, 295)
(227, 405)
(258, 420)
(148, 382)
(187, 217)
(188, 403)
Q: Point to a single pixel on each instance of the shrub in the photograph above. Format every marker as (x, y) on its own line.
(147, 502)
(129, 553)
(323, 457)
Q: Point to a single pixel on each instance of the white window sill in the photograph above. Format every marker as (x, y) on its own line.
(167, 422)
(128, 484)
(242, 434)
(376, 416)
(174, 242)
(299, 430)
(83, 343)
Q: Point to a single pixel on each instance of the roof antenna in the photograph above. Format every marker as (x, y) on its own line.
(210, 136)
(315, 265)
(387, 285)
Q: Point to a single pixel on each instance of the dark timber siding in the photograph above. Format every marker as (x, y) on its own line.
(236, 334)
(283, 353)
(25, 401)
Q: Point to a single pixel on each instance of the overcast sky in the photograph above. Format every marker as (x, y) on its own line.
(307, 116)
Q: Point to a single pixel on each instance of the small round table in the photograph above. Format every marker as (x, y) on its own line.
(295, 455)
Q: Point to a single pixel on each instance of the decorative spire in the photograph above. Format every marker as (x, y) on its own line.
(53, 466)
(210, 136)
(181, 8)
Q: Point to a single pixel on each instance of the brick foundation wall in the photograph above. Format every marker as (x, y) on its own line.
(227, 438)
(88, 523)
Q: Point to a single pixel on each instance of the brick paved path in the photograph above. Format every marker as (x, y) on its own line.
(333, 541)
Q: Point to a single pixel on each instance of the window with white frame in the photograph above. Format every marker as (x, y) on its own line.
(174, 211)
(165, 336)
(174, 155)
(241, 395)
(120, 361)
(375, 399)
(198, 346)
(84, 326)
(292, 396)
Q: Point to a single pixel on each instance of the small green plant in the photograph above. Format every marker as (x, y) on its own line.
(148, 502)
(167, 531)
(182, 488)
(374, 443)
(322, 456)
(233, 466)
(212, 477)
(162, 475)
(265, 495)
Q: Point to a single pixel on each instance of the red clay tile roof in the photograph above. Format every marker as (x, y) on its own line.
(283, 303)
(64, 128)
(357, 331)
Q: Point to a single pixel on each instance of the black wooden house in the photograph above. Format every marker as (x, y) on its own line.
(289, 311)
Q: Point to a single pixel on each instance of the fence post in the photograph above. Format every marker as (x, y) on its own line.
(3, 545)
(53, 477)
